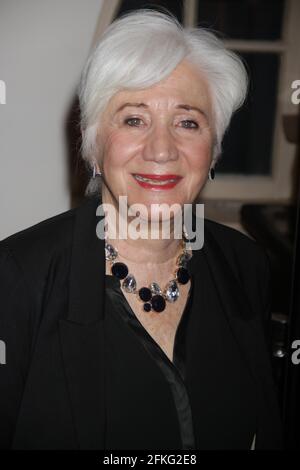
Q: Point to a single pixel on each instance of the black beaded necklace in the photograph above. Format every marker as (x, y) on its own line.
(153, 297)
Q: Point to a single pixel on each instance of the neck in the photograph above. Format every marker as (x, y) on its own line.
(149, 251)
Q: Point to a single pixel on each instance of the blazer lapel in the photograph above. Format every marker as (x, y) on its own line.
(82, 332)
(246, 329)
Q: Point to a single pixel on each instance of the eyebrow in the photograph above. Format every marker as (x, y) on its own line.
(187, 107)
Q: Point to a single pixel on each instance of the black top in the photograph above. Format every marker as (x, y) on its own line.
(152, 401)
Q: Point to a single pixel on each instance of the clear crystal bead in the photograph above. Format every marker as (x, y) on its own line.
(129, 283)
(110, 252)
(155, 289)
(172, 291)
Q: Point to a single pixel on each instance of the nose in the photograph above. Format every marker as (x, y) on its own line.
(160, 145)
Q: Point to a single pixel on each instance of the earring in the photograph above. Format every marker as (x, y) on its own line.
(211, 173)
(95, 173)
(185, 233)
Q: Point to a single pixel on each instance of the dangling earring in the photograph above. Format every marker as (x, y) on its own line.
(211, 173)
(185, 233)
(95, 173)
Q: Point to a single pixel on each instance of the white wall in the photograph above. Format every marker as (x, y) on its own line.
(43, 46)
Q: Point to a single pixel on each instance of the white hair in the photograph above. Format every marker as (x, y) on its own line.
(142, 48)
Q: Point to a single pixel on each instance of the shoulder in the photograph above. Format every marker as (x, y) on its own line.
(50, 234)
(229, 235)
(236, 246)
(248, 260)
(47, 244)
(27, 255)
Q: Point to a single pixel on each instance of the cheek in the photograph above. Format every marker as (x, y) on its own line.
(118, 150)
(200, 156)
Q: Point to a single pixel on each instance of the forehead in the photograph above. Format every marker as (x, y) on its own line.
(185, 84)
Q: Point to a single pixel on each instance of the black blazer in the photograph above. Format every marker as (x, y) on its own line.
(51, 300)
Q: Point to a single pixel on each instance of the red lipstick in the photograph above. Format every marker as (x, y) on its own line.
(156, 182)
(158, 177)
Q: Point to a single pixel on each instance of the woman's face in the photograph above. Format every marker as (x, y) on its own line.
(162, 131)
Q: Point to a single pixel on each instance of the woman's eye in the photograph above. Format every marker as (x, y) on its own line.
(188, 124)
(134, 122)
(137, 122)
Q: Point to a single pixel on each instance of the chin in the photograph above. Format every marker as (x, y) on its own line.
(148, 212)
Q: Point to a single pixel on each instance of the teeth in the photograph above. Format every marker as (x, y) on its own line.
(148, 180)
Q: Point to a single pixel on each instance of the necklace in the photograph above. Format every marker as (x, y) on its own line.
(153, 297)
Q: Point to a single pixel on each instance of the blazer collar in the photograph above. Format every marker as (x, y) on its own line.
(82, 336)
(86, 299)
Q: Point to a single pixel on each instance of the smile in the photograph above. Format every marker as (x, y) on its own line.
(157, 181)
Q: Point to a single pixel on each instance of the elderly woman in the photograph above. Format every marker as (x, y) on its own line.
(125, 342)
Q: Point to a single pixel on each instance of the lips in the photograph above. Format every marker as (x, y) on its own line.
(157, 177)
(155, 181)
